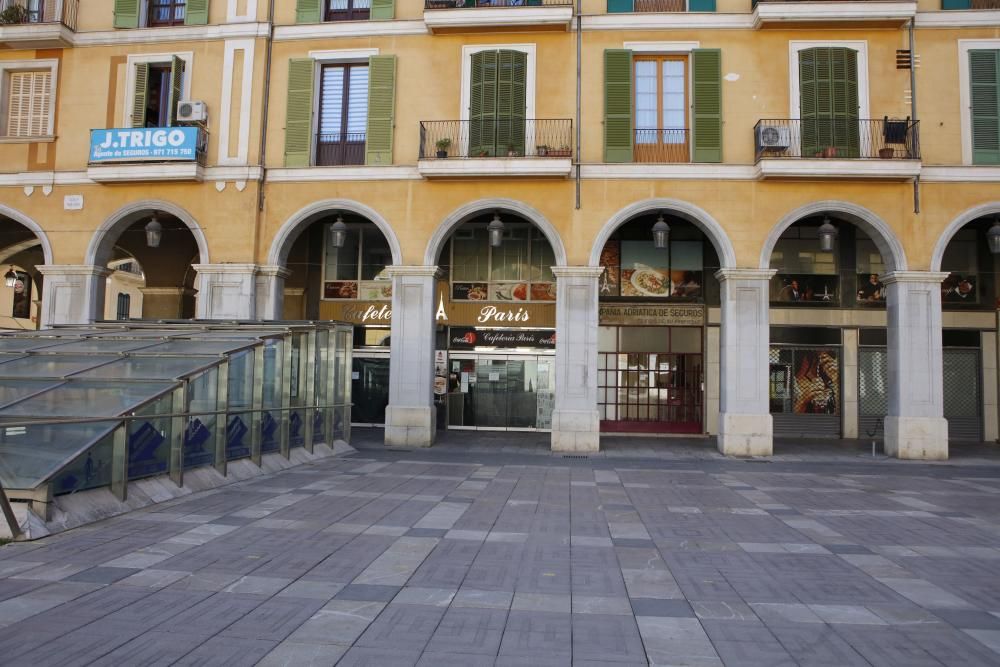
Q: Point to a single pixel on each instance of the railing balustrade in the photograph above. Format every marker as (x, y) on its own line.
(662, 145)
(24, 12)
(336, 150)
(515, 137)
(841, 138)
(474, 4)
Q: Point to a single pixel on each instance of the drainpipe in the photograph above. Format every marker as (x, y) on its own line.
(913, 110)
(264, 109)
(579, 48)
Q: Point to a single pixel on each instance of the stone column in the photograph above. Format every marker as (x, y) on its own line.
(849, 391)
(410, 418)
(271, 292)
(72, 293)
(576, 424)
(226, 291)
(915, 427)
(164, 303)
(745, 427)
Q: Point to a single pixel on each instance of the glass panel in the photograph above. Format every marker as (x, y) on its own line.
(375, 254)
(607, 339)
(370, 388)
(332, 102)
(189, 347)
(15, 390)
(53, 366)
(89, 470)
(25, 465)
(646, 108)
(149, 440)
(15, 344)
(342, 263)
(644, 339)
(88, 399)
(357, 101)
(491, 392)
(97, 345)
(545, 391)
(470, 249)
(147, 368)
(199, 438)
(510, 260)
(542, 258)
(805, 380)
(674, 107)
(685, 340)
(873, 383)
(270, 420)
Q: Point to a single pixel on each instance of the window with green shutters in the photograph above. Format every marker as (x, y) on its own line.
(706, 66)
(984, 81)
(157, 88)
(317, 11)
(160, 13)
(617, 105)
(628, 6)
(298, 113)
(381, 109)
(497, 103)
(828, 101)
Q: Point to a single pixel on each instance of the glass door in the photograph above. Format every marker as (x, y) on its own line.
(369, 389)
(492, 392)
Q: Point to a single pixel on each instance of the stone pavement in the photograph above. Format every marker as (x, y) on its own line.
(446, 557)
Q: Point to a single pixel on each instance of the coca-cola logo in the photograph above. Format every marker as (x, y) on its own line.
(469, 338)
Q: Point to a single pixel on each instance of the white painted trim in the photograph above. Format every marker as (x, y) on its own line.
(356, 173)
(443, 232)
(43, 178)
(960, 174)
(661, 47)
(233, 17)
(183, 171)
(993, 208)
(490, 17)
(794, 46)
(277, 256)
(335, 29)
(529, 82)
(690, 212)
(496, 167)
(192, 33)
(884, 238)
(30, 224)
(246, 92)
(28, 66)
(833, 168)
(832, 12)
(157, 59)
(965, 90)
(668, 21)
(686, 171)
(36, 35)
(342, 55)
(952, 18)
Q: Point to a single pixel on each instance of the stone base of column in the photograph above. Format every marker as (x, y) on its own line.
(410, 426)
(746, 435)
(923, 438)
(576, 431)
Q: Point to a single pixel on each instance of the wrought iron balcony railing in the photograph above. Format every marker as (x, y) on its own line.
(842, 138)
(659, 146)
(26, 12)
(337, 150)
(473, 4)
(516, 137)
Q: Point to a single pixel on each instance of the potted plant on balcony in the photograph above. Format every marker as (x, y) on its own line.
(886, 153)
(442, 146)
(562, 151)
(14, 15)
(542, 150)
(512, 151)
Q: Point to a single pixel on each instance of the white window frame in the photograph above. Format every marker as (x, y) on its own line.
(861, 46)
(965, 89)
(334, 57)
(154, 59)
(13, 66)
(529, 82)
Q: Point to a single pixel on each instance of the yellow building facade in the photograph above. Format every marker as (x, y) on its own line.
(218, 144)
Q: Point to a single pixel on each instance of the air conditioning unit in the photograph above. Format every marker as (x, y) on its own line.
(774, 138)
(190, 111)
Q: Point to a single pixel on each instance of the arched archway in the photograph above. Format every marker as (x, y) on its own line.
(101, 248)
(24, 249)
(974, 213)
(31, 225)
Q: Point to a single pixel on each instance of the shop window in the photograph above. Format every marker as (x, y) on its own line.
(634, 267)
(960, 261)
(357, 269)
(520, 269)
(804, 380)
(870, 269)
(805, 272)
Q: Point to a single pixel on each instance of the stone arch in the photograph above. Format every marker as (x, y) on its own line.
(99, 252)
(480, 206)
(992, 208)
(285, 238)
(876, 228)
(31, 225)
(693, 214)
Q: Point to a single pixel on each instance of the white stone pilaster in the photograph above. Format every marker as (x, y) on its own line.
(745, 426)
(576, 425)
(410, 418)
(849, 384)
(915, 427)
(226, 291)
(72, 293)
(271, 292)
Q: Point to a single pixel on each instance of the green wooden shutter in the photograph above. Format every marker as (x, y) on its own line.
(617, 105)
(381, 109)
(126, 13)
(308, 11)
(176, 88)
(483, 105)
(139, 95)
(196, 12)
(984, 80)
(828, 101)
(707, 88)
(383, 10)
(620, 6)
(298, 116)
(511, 105)
(701, 5)
(956, 4)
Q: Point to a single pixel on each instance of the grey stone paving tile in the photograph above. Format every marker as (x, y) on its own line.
(722, 610)
(467, 630)
(532, 660)
(153, 610)
(754, 654)
(429, 659)
(316, 590)
(290, 654)
(524, 601)
(12, 567)
(368, 592)
(396, 565)
(476, 599)
(338, 622)
(402, 627)
(846, 614)
(257, 585)
(618, 606)
(212, 615)
(676, 641)
(52, 572)
(102, 575)
(781, 613)
(227, 651)
(274, 619)
(205, 581)
(968, 619)
(151, 649)
(537, 633)
(425, 532)
(360, 656)
(658, 607)
(79, 647)
(607, 639)
(817, 645)
(988, 638)
(925, 593)
(435, 597)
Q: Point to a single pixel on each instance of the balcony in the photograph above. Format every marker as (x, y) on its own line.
(837, 148)
(340, 150)
(807, 13)
(444, 16)
(662, 146)
(47, 24)
(149, 154)
(491, 148)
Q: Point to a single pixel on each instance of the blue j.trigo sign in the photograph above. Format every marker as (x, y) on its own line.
(139, 144)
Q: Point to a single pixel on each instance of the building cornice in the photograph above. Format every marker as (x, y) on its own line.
(971, 18)
(686, 171)
(288, 33)
(359, 173)
(192, 33)
(668, 21)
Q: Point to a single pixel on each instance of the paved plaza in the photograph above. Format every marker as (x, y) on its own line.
(467, 558)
